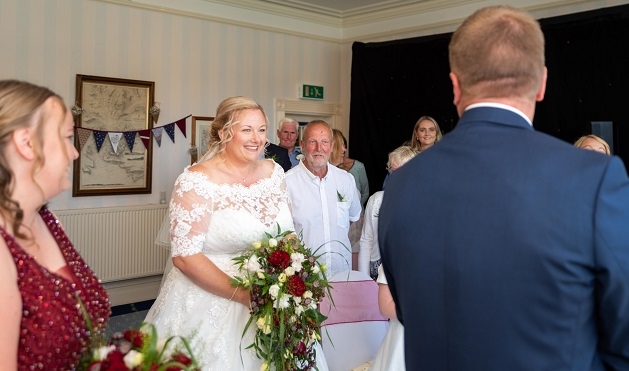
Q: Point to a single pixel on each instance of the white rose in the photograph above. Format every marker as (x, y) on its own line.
(253, 265)
(260, 275)
(274, 290)
(272, 242)
(282, 277)
(297, 259)
(307, 294)
(257, 245)
(316, 269)
(289, 271)
(101, 353)
(282, 302)
(133, 359)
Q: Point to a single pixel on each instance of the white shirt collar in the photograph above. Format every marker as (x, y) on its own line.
(499, 105)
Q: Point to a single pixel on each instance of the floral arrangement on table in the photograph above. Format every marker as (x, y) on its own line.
(138, 350)
(286, 284)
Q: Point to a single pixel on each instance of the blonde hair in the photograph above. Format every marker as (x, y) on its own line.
(417, 146)
(20, 107)
(338, 141)
(400, 156)
(228, 114)
(580, 141)
(498, 51)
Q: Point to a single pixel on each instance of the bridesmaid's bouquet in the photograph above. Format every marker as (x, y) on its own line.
(286, 284)
(139, 350)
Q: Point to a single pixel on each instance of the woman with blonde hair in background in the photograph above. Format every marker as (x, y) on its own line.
(425, 133)
(593, 143)
(48, 291)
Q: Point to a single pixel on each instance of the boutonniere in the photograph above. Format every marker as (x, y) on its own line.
(340, 197)
(272, 157)
(299, 156)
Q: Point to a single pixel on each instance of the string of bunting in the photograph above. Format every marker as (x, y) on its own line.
(115, 136)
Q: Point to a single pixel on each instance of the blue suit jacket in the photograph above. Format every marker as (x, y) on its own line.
(507, 249)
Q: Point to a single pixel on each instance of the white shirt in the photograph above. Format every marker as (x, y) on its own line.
(321, 217)
(369, 248)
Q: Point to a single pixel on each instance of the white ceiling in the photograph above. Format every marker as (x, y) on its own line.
(355, 20)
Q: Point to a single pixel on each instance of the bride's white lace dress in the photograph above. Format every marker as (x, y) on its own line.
(221, 221)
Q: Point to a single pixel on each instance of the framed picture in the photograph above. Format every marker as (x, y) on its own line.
(112, 110)
(200, 135)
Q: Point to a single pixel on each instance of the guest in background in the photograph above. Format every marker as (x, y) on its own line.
(43, 279)
(278, 154)
(506, 248)
(390, 355)
(425, 133)
(324, 199)
(593, 143)
(339, 159)
(369, 254)
(288, 135)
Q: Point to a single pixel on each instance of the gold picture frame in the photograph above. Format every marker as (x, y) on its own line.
(111, 105)
(200, 136)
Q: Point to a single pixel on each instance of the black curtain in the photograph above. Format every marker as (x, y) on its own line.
(394, 83)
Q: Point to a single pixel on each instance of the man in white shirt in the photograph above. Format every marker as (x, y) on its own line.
(324, 199)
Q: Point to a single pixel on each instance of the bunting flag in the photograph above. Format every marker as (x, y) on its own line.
(99, 137)
(114, 138)
(170, 130)
(130, 137)
(145, 135)
(83, 135)
(181, 124)
(157, 134)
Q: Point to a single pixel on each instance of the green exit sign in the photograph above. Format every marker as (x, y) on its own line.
(311, 92)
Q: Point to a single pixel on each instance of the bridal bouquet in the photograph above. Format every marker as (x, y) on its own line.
(139, 350)
(286, 285)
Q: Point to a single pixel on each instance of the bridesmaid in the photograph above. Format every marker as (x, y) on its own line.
(43, 280)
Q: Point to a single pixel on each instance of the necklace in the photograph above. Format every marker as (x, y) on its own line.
(233, 173)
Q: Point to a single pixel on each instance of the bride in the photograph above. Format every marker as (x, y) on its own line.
(219, 207)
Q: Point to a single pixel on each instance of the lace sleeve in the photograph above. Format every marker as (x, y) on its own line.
(190, 210)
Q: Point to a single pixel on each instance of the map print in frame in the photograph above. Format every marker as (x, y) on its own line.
(112, 105)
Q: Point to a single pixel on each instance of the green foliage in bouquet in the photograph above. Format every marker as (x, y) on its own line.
(286, 284)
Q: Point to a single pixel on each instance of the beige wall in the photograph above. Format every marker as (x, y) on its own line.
(194, 63)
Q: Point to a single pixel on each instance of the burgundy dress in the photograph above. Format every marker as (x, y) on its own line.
(53, 333)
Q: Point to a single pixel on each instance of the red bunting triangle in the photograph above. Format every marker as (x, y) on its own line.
(181, 124)
(145, 135)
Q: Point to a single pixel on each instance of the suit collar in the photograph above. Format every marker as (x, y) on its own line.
(494, 114)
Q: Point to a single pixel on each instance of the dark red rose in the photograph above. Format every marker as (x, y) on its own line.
(300, 348)
(279, 259)
(114, 362)
(295, 285)
(182, 358)
(135, 337)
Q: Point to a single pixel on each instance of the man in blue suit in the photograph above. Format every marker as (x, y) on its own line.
(504, 248)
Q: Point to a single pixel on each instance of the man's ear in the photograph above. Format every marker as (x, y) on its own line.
(542, 89)
(22, 140)
(456, 88)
